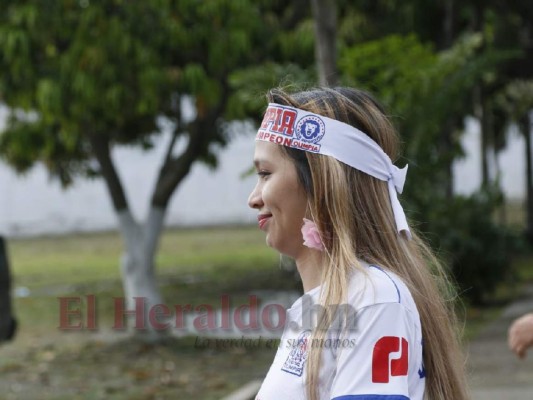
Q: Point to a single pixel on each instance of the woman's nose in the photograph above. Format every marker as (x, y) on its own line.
(255, 200)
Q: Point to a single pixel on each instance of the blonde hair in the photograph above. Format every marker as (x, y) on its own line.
(353, 213)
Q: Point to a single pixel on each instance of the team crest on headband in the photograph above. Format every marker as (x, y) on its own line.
(310, 129)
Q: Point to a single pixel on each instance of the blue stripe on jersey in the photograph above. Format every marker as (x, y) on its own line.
(394, 283)
(372, 397)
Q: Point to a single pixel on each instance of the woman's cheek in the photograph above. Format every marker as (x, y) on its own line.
(267, 195)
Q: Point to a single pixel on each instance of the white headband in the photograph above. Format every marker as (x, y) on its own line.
(303, 130)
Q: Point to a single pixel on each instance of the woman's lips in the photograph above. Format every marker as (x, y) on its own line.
(263, 219)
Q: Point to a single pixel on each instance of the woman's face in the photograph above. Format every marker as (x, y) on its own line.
(279, 198)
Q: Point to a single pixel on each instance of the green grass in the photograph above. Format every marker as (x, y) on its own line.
(524, 268)
(512, 214)
(132, 370)
(477, 317)
(194, 266)
(89, 258)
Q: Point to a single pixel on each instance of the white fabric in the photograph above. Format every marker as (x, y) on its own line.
(303, 130)
(364, 364)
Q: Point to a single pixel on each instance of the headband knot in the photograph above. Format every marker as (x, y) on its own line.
(398, 176)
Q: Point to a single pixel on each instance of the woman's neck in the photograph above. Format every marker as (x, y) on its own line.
(310, 263)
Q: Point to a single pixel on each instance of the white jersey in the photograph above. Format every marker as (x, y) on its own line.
(379, 356)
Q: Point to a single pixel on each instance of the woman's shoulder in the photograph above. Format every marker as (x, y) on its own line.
(377, 285)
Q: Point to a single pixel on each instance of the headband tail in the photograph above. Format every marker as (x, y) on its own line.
(399, 214)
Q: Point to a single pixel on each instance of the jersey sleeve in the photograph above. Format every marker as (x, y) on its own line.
(378, 352)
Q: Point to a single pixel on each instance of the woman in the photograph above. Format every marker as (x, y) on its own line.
(327, 197)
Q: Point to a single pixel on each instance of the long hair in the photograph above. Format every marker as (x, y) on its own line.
(353, 213)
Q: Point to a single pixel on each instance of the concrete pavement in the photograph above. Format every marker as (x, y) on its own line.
(495, 373)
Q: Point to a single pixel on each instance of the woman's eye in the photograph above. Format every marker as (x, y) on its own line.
(263, 174)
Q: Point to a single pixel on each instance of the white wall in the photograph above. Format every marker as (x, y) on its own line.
(467, 171)
(33, 204)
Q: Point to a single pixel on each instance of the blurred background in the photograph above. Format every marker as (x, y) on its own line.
(126, 146)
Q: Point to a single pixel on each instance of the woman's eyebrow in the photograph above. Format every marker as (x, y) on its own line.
(258, 161)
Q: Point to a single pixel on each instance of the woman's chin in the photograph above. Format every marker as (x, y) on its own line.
(271, 242)
(281, 248)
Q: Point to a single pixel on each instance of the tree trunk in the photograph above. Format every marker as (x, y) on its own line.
(502, 212)
(480, 112)
(446, 147)
(525, 127)
(486, 135)
(7, 322)
(141, 240)
(138, 266)
(448, 26)
(325, 19)
(479, 99)
(447, 133)
(140, 245)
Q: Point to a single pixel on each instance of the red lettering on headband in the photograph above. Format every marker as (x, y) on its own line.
(287, 122)
(284, 141)
(279, 112)
(279, 120)
(269, 117)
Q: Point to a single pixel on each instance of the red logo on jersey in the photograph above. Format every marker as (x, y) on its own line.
(382, 366)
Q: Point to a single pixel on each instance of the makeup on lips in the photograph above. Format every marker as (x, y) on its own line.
(262, 219)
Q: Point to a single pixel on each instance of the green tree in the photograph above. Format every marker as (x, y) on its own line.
(82, 77)
(503, 27)
(516, 99)
(325, 21)
(425, 89)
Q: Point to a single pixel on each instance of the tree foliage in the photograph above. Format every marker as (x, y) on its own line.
(425, 89)
(110, 68)
(431, 76)
(80, 77)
